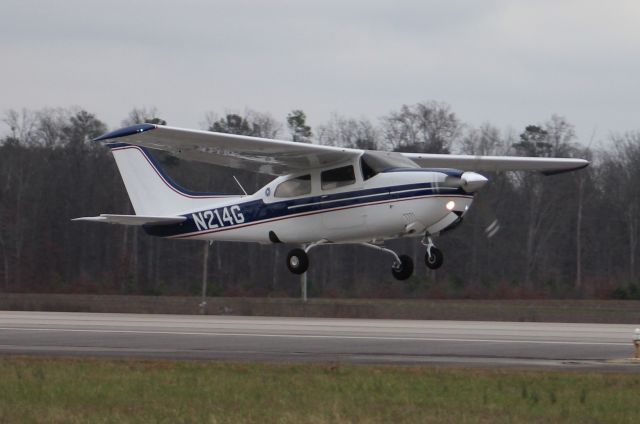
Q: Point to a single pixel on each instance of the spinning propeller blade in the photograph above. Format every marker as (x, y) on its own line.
(492, 229)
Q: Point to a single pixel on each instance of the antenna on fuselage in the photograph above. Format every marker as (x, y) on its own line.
(240, 185)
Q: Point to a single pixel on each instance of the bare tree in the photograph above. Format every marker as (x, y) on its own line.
(265, 125)
(141, 115)
(251, 122)
(348, 132)
(22, 126)
(560, 134)
(429, 127)
(50, 125)
(623, 167)
(539, 195)
(485, 140)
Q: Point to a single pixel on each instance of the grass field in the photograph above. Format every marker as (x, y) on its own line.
(40, 390)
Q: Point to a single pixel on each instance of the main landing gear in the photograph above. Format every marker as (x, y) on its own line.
(297, 261)
(401, 269)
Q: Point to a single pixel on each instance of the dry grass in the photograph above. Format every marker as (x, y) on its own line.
(41, 390)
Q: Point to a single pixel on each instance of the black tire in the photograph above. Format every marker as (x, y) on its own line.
(297, 261)
(405, 270)
(435, 260)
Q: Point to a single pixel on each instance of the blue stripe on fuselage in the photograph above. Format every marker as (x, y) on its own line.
(255, 211)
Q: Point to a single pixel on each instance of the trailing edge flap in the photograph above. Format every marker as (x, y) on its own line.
(133, 219)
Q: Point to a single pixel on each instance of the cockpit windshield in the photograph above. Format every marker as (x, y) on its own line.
(374, 162)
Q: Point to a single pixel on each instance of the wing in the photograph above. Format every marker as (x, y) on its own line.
(274, 157)
(547, 166)
(137, 220)
(278, 157)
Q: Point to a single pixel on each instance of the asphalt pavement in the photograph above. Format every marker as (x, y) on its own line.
(445, 343)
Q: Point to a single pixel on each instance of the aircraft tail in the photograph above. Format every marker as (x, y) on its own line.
(151, 191)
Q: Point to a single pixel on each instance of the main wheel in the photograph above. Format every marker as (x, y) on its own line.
(297, 261)
(403, 270)
(435, 260)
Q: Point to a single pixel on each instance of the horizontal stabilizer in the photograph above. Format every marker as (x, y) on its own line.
(133, 219)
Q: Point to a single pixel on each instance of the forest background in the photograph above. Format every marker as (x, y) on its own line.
(572, 235)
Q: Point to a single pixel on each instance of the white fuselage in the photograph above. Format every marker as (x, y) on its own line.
(387, 205)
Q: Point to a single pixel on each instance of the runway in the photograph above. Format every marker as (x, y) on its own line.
(456, 343)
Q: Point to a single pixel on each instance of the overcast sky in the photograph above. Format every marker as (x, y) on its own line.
(507, 62)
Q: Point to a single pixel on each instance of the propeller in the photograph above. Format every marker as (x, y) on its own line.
(472, 182)
(492, 229)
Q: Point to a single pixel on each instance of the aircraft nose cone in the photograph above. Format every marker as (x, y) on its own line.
(472, 182)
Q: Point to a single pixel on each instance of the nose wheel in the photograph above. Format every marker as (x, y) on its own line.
(433, 257)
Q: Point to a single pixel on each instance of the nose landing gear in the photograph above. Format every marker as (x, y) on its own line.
(433, 257)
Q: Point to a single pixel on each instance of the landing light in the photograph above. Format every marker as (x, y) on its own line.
(450, 205)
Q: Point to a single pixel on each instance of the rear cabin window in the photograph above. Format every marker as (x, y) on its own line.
(294, 187)
(337, 177)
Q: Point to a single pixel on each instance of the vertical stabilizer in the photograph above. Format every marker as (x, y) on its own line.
(150, 190)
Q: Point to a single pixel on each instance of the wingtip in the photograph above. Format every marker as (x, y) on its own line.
(583, 163)
(126, 131)
(89, 218)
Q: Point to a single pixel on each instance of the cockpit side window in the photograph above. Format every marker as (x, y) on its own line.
(297, 186)
(337, 177)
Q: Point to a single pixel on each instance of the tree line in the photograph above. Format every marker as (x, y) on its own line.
(527, 235)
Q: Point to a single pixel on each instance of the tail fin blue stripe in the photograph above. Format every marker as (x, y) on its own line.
(163, 175)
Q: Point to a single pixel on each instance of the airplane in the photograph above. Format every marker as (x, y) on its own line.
(320, 195)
